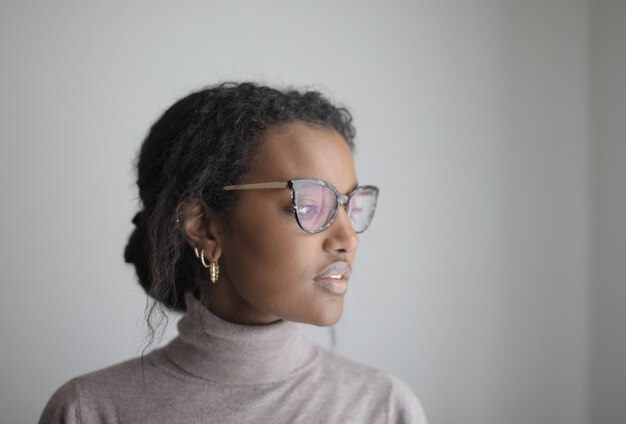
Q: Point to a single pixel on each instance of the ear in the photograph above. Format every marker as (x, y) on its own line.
(202, 227)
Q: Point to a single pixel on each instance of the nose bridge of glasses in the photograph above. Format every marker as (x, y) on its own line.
(343, 200)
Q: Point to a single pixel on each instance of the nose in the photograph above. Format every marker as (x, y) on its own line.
(341, 237)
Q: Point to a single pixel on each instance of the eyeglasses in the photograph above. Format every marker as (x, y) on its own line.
(316, 203)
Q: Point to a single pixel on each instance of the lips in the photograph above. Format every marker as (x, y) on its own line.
(334, 277)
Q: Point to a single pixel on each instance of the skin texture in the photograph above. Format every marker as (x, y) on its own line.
(267, 262)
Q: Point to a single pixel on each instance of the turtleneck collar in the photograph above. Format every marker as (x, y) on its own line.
(210, 348)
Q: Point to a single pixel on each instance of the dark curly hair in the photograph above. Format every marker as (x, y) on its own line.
(201, 143)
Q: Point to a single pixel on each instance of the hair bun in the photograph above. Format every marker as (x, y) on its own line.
(135, 253)
(138, 220)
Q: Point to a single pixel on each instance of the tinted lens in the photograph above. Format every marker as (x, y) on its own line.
(361, 207)
(315, 205)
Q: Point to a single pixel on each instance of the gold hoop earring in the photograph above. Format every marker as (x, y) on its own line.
(204, 264)
(214, 268)
(214, 271)
(195, 250)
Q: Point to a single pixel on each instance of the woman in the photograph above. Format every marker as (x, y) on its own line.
(251, 214)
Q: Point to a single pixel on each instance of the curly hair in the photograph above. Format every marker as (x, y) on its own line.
(201, 143)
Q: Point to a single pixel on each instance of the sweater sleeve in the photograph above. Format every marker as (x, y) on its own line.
(404, 407)
(64, 405)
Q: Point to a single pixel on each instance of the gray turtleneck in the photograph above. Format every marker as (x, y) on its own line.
(219, 372)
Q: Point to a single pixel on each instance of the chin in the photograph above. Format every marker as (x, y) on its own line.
(322, 313)
(327, 317)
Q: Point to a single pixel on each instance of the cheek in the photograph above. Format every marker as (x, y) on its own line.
(272, 270)
(269, 265)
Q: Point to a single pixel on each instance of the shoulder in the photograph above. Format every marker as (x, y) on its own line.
(63, 406)
(123, 375)
(96, 392)
(404, 406)
(378, 388)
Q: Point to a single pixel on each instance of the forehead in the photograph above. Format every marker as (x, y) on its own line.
(302, 150)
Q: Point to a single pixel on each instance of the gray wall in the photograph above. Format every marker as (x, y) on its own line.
(608, 287)
(474, 118)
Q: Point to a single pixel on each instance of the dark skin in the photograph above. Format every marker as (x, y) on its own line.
(267, 262)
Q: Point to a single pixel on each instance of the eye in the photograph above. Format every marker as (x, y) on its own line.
(308, 209)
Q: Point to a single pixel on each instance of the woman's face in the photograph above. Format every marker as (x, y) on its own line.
(270, 268)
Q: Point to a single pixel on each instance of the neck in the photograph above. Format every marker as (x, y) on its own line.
(223, 300)
(211, 348)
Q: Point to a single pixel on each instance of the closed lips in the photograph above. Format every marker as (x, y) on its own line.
(334, 277)
(336, 271)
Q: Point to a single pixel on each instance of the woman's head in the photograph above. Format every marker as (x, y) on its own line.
(238, 134)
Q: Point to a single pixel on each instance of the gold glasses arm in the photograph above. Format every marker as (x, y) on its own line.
(281, 184)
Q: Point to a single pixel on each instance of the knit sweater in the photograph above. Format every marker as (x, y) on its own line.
(216, 371)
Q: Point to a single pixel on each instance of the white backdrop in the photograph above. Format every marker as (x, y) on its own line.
(474, 283)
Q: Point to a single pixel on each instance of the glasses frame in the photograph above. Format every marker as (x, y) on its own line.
(342, 199)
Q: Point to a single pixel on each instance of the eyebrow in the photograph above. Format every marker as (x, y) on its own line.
(273, 184)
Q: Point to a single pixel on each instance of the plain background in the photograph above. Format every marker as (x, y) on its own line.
(493, 278)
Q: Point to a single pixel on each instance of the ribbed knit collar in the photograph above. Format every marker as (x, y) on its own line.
(221, 351)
